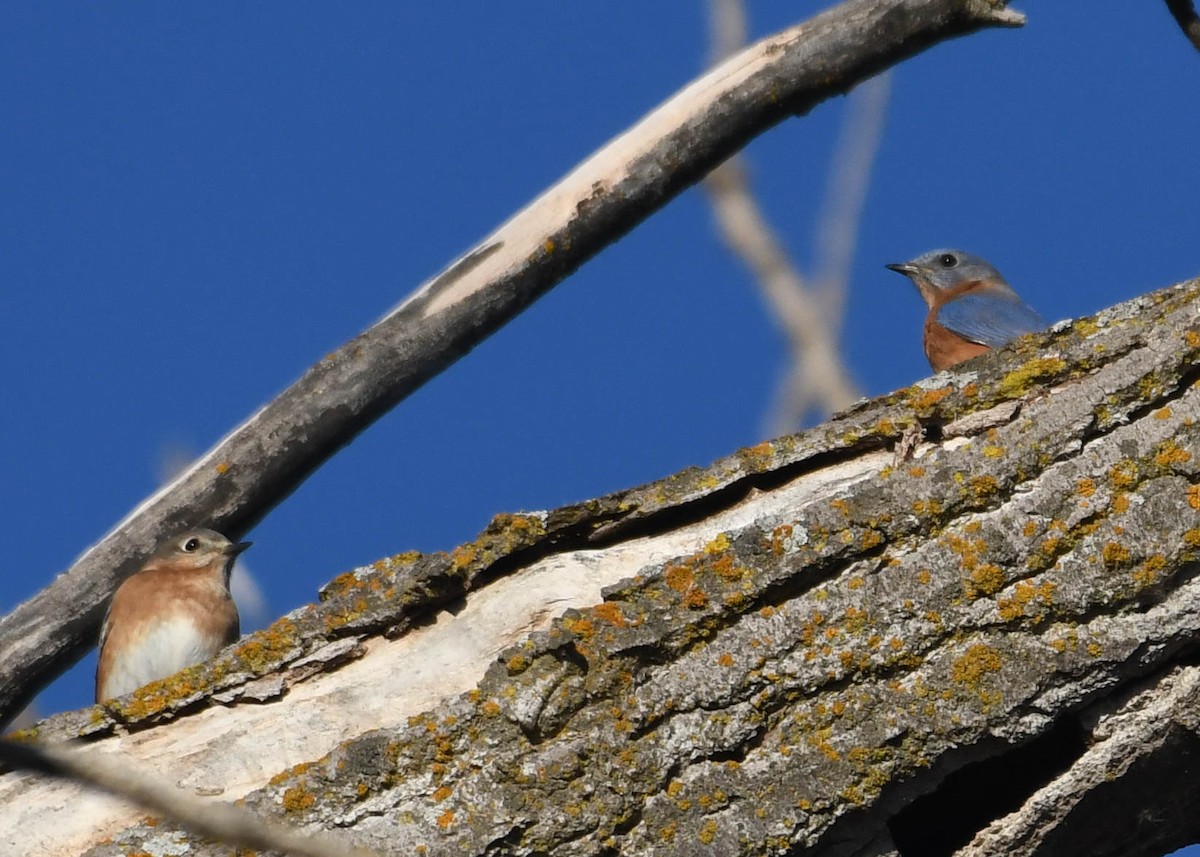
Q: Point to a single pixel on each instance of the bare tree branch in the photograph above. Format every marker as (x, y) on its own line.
(1185, 15)
(263, 460)
(804, 648)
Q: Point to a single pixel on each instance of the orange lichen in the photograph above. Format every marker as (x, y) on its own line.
(1170, 454)
(972, 666)
(298, 799)
(679, 577)
(611, 613)
(1123, 475)
(1114, 554)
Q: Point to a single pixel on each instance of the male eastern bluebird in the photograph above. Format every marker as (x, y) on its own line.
(174, 612)
(971, 307)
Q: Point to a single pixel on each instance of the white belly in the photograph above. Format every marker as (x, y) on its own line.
(164, 649)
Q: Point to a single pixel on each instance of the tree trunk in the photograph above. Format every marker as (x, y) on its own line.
(956, 617)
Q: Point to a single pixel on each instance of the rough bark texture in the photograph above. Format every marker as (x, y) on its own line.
(806, 648)
(266, 458)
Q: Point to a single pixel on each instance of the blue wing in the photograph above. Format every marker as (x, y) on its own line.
(990, 320)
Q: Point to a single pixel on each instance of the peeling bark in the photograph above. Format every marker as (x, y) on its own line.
(807, 648)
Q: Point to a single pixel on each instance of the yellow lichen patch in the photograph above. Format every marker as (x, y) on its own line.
(924, 575)
(725, 660)
(717, 545)
(708, 832)
(679, 577)
(697, 599)
(263, 649)
(297, 799)
(984, 486)
(927, 506)
(819, 740)
(856, 619)
(222, 468)
(780, 536)
(870, 539)
(840, 505)
(1162, 414)
(440, 794)
(1193, 496)
(924, 400)
(1123, 475)
(758, 457)
(985, 579)
(916, 471)
(611, 613)
(517, 664)
(445, 819)
(1036, 371)
(1149, 572)
(1085, 487)
(1023, 594)
(727, 569)
(978, 661)
(1191, 538)
(290, 773)
(580, 627)
(1114, 554)
(1171, 454)
(1120, 504)
(463, 556)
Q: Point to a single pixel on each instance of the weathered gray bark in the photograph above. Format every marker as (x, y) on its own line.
(267, 457)
(808, 647)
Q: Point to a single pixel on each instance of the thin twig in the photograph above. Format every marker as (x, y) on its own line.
(221, 822)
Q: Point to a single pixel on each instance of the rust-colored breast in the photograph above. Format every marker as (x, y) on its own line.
(944, 348)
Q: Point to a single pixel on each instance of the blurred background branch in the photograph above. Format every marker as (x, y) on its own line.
(816, 381)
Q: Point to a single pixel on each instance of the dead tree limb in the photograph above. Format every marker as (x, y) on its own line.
(807, 648)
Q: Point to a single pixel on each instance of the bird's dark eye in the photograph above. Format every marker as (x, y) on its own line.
(947, 260)
(191, 544)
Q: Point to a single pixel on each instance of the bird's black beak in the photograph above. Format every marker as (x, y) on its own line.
(237, 548)
(904, 268)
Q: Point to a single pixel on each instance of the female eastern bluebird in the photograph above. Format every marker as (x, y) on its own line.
(176, 611)
(971, 307)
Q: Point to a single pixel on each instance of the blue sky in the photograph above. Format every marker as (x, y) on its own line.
(200, 202)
